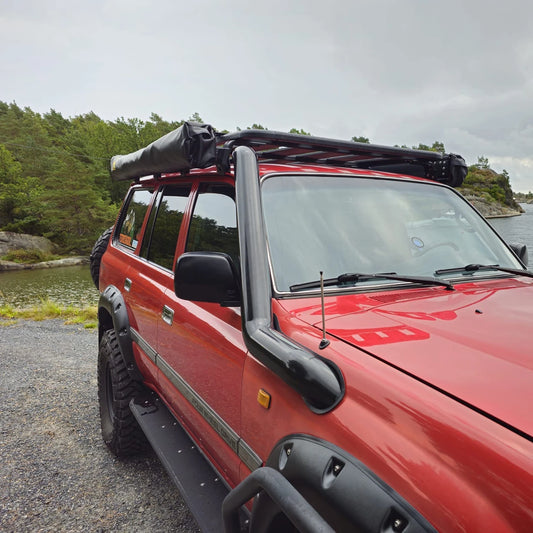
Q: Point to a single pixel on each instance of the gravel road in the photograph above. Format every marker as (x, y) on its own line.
(55, 472)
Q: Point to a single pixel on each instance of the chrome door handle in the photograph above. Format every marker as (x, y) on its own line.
(167, 315)
(127, 284)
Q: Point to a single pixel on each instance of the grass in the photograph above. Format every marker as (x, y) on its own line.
(29, 256)
(46, 310)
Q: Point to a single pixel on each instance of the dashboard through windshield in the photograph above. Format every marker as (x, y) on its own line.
(337, 224)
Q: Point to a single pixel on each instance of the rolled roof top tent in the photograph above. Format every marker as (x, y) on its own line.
(192, 145)
(195, 145)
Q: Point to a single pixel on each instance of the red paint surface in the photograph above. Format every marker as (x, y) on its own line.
(473, 343)
(438, 384)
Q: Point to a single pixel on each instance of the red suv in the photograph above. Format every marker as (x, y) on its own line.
(325, 327)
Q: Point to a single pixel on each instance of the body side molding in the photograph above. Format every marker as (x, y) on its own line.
(222, 428)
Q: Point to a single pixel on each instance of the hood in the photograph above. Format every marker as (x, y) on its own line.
(474, 343)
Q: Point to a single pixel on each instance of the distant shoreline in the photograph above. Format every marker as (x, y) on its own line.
(66, 262)
(492, 209)
(508, 215)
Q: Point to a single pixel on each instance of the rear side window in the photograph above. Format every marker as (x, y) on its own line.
(214, 223)
(133, 217)
(160, 238)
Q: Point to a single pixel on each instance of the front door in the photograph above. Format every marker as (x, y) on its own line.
(201, 345)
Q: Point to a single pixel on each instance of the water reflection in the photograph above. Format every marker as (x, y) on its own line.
(64, 286)
(517, 229)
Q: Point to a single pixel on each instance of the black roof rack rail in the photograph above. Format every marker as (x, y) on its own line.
(194, 145)
(279, 147)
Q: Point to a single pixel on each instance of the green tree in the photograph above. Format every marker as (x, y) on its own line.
(73, 208)
(57, 126)
(299, 131)
(23, 133)
(437, 146)
(19, 196)
(195, 117)
(482, 163)
(157, 127)
(361, 139)
(483, 181)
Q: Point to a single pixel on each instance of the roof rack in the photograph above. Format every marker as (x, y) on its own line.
(279, 147)
(194, 145)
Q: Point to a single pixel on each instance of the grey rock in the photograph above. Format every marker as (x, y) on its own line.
(19, 241)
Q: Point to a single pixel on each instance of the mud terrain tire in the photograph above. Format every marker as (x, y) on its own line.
(120, 430)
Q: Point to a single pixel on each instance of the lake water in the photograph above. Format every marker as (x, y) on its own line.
(74, 286)
(517, 229)
(63, 285)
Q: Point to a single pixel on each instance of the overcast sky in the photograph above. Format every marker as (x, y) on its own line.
(396, 71)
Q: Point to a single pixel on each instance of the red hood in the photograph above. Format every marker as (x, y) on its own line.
(475, 343)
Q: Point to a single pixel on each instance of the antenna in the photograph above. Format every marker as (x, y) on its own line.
(324, 342)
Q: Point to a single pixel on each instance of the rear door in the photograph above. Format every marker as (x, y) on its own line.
(150, 271)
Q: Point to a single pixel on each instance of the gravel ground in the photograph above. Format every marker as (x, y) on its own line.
(55, 472)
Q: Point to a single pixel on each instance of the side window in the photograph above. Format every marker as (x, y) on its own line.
(160, 239)
(132, 218)
(214, 222)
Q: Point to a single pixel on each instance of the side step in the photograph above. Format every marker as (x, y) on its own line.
(201, 487)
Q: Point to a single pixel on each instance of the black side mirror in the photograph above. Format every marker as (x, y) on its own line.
(520, 250)
(207, 277)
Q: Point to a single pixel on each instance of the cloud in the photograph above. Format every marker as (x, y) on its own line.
(396, 71)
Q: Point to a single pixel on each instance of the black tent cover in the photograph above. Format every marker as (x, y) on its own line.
(192, 145)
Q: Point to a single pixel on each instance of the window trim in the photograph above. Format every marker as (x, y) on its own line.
(159, 195)
(116, 234)
(157, 191)
(196, 193)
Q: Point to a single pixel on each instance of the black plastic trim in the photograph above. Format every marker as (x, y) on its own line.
(344, 491)
(318, 380)
(199, 483)
(207, 277)
(113, 302)
(520, 250)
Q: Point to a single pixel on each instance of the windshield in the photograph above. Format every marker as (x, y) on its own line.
(339, 224)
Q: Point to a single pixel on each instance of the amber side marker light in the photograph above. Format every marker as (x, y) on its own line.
(263, 398)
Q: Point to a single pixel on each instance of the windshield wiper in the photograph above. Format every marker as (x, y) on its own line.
(473, 267)
(355, 277)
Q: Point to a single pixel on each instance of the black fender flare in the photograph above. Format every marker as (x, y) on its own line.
(111, 304)
(345, 493)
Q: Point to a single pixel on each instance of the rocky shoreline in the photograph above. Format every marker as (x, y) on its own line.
(10, 241)
(492, 209)
(67, 261)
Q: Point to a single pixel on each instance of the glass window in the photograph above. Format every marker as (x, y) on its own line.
(214, 223)
(133, 217)
(159, 244)
(145, 245)
(342, 224)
